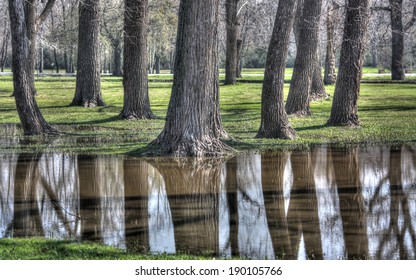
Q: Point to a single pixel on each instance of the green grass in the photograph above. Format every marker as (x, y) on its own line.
(387, 113)
(44, 249)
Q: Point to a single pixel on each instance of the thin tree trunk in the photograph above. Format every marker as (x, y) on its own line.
(136, 96)
(239, 58)
(330, 74)
(157, 63)
(23, 78)
(344, 110)
(231, 43)
(274, 120)
(299, 94)
(317, 88)
(88, 89)
(117, 68)
(193, 123)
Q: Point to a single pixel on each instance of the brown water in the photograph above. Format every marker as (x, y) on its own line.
(322, 204)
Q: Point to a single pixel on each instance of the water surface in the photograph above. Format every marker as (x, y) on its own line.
(321, 204)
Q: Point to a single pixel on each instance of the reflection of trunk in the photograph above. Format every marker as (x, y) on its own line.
(90, 211)
(8, 170)
(254, 238)
(305, 213)
(231, 187)
(351, 203)
(272, 171)
(136, 197)
(192, 187)
(27, 220)
(399, 209)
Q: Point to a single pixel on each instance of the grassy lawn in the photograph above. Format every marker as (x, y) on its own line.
(387, 113)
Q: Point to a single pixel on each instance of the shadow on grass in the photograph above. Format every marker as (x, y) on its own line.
(313, 127)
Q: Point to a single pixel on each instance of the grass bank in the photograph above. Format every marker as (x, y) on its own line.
(43, 249)
(387, 113)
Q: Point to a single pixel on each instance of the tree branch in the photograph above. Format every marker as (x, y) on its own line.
(377, 9)
(42, 17)
(412, 20)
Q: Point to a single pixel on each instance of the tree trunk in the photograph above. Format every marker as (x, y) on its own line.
(231, 43)
(274, 120)
(317, 88)
(397, 44)
(239, 58)
(157, 63)
(136, 97)
(88, 89)
(330, 68)
(193, 124)
(117, 68)
(30, 116)
(299, 93)
(344, 110)
(3, 52)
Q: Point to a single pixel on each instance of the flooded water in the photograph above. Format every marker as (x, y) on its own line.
(321, 204)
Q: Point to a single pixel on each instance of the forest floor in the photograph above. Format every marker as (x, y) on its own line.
(386, 110)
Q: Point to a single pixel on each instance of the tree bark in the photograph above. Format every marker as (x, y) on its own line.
(274, 120)
(88, 89)
(318, 87)
(136, 97)
(193, 124)
(231, 43)
(344, 110)
(299, 94)
(30, 116)
(330, 68)
(117, 68)
(397, 44)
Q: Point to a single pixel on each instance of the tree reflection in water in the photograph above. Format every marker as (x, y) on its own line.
(321, 204)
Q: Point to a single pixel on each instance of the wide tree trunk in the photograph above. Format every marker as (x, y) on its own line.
(136, 96)
(299, 93)
(397, 44)
(88, 89)
(274, 120)
(193, 124)
(330, 67)
(30, 116)
(344, 110)
(231, 42)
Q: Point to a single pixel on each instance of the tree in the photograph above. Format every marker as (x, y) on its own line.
(299, 94)
(344, 111)
(398, 30)
(30, 116)
(193, 122)
(231, 42)
(274, 120)
(88, 89)
(330, 75)
(112, 29)
(136, 97)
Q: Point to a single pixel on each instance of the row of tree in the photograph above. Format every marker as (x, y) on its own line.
(193, 122)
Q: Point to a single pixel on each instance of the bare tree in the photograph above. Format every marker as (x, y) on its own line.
(88, 88)
(274, 120)
(344, 110)
(299, 94)
(193, 123)
(136, 97)
(330, 74)
(23, 75)
(231, 43)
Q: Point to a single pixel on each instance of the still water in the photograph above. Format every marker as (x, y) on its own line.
(320, 204)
